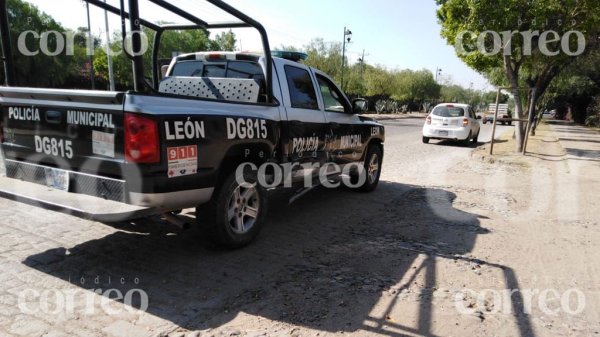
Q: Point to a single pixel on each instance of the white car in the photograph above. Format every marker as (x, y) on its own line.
(452, 121)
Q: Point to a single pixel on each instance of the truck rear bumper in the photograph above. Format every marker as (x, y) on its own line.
(79, 205)
(172, 200)
(90, 196)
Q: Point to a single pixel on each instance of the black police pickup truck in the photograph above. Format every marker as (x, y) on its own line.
(177, 140)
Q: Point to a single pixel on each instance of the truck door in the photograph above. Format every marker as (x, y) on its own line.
(304, 131)
(344, 135)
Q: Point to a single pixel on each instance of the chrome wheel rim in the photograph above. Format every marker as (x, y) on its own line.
(243, 208)
(373, 169)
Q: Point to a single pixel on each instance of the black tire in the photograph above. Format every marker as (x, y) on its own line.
(425, 140)
(476, 139)
(466, 141)
(373, 161)
(484, 121)
(215, 220)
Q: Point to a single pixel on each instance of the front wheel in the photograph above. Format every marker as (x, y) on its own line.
(235, 214)
(425, 140)
(372, 169)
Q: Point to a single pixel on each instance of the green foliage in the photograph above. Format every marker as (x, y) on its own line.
(523, 64)
(575, 87)
(225, 41)
(362, 79)
(415, 86)
(326, 57)
(39, 70)
(593, 113)
(172, 42)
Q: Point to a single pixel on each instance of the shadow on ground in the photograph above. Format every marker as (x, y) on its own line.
(321, 263)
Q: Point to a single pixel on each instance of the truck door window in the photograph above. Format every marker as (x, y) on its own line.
(331, 95)
(302, 90)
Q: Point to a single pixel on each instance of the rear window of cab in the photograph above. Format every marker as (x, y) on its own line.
(448, 111)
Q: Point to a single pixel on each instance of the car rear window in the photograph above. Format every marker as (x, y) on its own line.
(229, 69)
(448, 111)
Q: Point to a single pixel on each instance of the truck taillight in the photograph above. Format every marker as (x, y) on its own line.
(465, 122)
(428, 120)
(141, 139)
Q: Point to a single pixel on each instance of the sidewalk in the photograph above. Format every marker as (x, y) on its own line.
(581, 145)
(382, 117)
(555, 141)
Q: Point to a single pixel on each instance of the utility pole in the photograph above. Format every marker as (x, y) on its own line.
(90, 47)
(362, 64)
(111, 74)
(348, 33)
(438, 72)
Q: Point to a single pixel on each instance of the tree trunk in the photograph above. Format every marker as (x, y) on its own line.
(513, 77)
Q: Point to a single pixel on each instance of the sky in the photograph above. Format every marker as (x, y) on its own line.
(397, 34)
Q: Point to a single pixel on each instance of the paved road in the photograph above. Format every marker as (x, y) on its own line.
(407, 157)
(320, 264)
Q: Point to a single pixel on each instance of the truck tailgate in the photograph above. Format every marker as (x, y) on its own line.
(65, 130)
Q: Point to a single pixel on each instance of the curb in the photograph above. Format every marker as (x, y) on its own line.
(382, 117)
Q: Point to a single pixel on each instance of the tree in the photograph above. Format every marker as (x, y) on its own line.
(37, 70)
(326, 57)
(172, 42)
(225, 41)
(574, 89)
(415, 86)
(379, 81)
(520, 38)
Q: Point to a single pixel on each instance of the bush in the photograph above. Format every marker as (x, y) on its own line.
(593, 113)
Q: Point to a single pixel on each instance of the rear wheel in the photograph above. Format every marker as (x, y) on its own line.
(476, 138)
(235, 214)
(425, 140)
(466, 141)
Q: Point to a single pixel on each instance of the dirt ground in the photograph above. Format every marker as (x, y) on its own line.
(451, 244)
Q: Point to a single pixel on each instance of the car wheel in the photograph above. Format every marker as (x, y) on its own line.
(372, 170)
(235, 214)
(425, 140)
(484, 121)
(467, 140)
(476, 138)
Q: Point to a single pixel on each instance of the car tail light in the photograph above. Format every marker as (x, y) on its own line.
(428, 120)
(141, 140)
(465, 122)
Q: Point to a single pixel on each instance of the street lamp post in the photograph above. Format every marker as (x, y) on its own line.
(347, 36)
(438, 72)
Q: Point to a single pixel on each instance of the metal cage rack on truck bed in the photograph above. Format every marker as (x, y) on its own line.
(135, 24)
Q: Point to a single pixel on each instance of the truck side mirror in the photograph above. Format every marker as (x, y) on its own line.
(360, 106)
